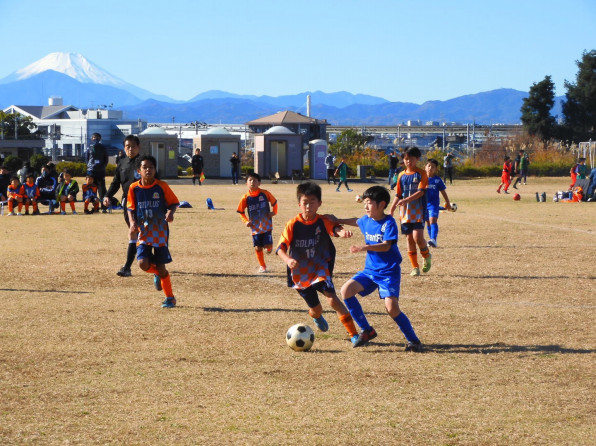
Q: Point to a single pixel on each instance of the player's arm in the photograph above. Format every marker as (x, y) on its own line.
(394, 205)
(273, 202)
(242, 212)
(281, 252)
(340, 231)
(447, 202)
(170, 213)
(132, 220)
(384, 246)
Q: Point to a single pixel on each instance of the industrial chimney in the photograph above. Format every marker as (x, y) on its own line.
(308, 105)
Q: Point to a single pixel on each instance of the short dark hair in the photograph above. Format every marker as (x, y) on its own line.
(433, 161)
(96, 135)
(89, 175)
(413, 151)
(308, 188)
(133, 138)
(254, 175)
(506, 158)
(146, 158)
(15, 177)
(377, 194)
(30, 175)
(68, 171)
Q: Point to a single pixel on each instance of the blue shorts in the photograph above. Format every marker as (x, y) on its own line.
(408, 228)
(310, 295)
(158, 255)
(263, 239)
(432, 211)
(388, 285)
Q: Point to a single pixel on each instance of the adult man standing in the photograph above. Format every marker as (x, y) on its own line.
(126, 174)
(448, 167)
(197, 166)
(235, 162)
(96, 158)
(521, 167)
(393, 162)
(330, 165)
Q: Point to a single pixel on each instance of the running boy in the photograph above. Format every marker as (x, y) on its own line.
(90, 194)
(67, 190)
(259, 219)
(435, 185)
(382, 269)
(410, 197)
(14, 196)
(506, 175)
(306, 248)
(151, 205)
(30, 193)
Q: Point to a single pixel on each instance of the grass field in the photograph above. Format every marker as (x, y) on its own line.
(506, 313)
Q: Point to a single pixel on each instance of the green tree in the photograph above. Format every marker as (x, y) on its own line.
(13, 163)
(536, 109)
(24, 125)
(37, 161)
(579, 108)
(349, 141)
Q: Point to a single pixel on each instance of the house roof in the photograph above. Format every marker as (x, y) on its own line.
(285, 118)
(40, 111)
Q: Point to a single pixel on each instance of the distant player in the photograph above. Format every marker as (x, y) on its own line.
(151, 205)
(261, 206)
(505, 175)
(433, 202)
(410, 197)
(90, 194)
(30, 193)
(306, 248)
(382, 269)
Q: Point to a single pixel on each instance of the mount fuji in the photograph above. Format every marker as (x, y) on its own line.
(42, 74)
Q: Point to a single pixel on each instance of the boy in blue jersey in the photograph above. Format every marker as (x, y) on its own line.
(433, 202)
(382, 269)
(260, 215)
(151, 205)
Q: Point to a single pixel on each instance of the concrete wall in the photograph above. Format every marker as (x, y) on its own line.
(210, 146)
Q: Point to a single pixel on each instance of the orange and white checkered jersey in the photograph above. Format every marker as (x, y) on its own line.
(149, 205)
(89, 191)
(408, 183)
(309, 243)
(258, 203)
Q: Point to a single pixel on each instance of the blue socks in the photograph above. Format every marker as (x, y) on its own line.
(356, 312)
(406, 327)
(433, 231)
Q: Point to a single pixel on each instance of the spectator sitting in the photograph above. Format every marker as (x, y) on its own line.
(30, 193)
(592, 186)
(67, 191)
(13, 192)
(4, 182)
(90, 194)
(47, 187)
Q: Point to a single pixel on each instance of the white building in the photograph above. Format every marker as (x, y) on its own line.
(67, 129)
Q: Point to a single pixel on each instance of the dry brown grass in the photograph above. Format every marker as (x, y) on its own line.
(507, 314)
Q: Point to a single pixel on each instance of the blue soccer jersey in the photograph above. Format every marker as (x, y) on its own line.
(435, 186)
(375, 232)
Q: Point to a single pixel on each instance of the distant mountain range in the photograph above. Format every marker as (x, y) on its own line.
(83, 84)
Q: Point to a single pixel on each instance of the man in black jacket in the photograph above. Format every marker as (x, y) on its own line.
(197, 166)
(126, 174)
(96, 159)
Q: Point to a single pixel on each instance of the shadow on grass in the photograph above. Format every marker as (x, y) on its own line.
(45, 291)
(503, 348)
(266, 310)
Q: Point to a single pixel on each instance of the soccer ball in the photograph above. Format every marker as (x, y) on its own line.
(358, 199)
(300, 337)
(517, 197)
(453, 207)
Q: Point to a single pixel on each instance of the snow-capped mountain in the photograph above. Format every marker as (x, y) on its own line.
(81, 69)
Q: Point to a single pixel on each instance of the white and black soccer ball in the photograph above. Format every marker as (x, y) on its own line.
(358, 198)
(300, 337)
(453, 207)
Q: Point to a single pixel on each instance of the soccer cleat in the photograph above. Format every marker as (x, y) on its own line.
(87, 211)
(124, 272)
(27, 212)
(498, 191)
(11, 214)
(505, 192)
(364, 337)
(514, 186)
(337, 190)
(427, 262)
(432, 243)
(263, 270)
(62, 213)
(415, 272)
(157, 282)
(170, 302)
(414, 347)
(354, 339)
(350, 190)
(19, 214)
(321, 323)
(74, 212)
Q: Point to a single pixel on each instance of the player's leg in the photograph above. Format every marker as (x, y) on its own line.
(363, 285)
(412, 251)
(404, 324)
(35, 207)
(418, 235)
(315, 309)
(433, 230)
(71, 200)
(19, 205)
(131, 251)
(343, 314)
(27, 202)
(11, 202)
(96, 204)
(63, 204)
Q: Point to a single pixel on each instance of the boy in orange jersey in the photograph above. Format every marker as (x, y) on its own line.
(90, 194)
(306, 248)
(259, 219)
(14, 196)
(30, 193)
(505, 175)
(410, 197)
(151, 205)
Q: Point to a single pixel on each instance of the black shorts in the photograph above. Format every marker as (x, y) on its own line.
(408, 228)
(310, 295)
(262, 240)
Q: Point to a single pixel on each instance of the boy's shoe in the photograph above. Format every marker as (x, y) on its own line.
(321, 323)
(262, 270)
(514, 186)
(74, 212)
(35, 212)
(364, 337)
(427, 261)
(87, 211)
(157, 282)
(432, 243)
(27, 212)
(11, 214)
(124, 272)
(415, 272)
(337, 190)
(505, 191)
(354, 339)
(350, 190)
(62, 213)
(498, 191)
(19, 214)
(170, 302)
(414, 347)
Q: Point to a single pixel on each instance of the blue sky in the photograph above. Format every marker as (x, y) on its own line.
(409, 51)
